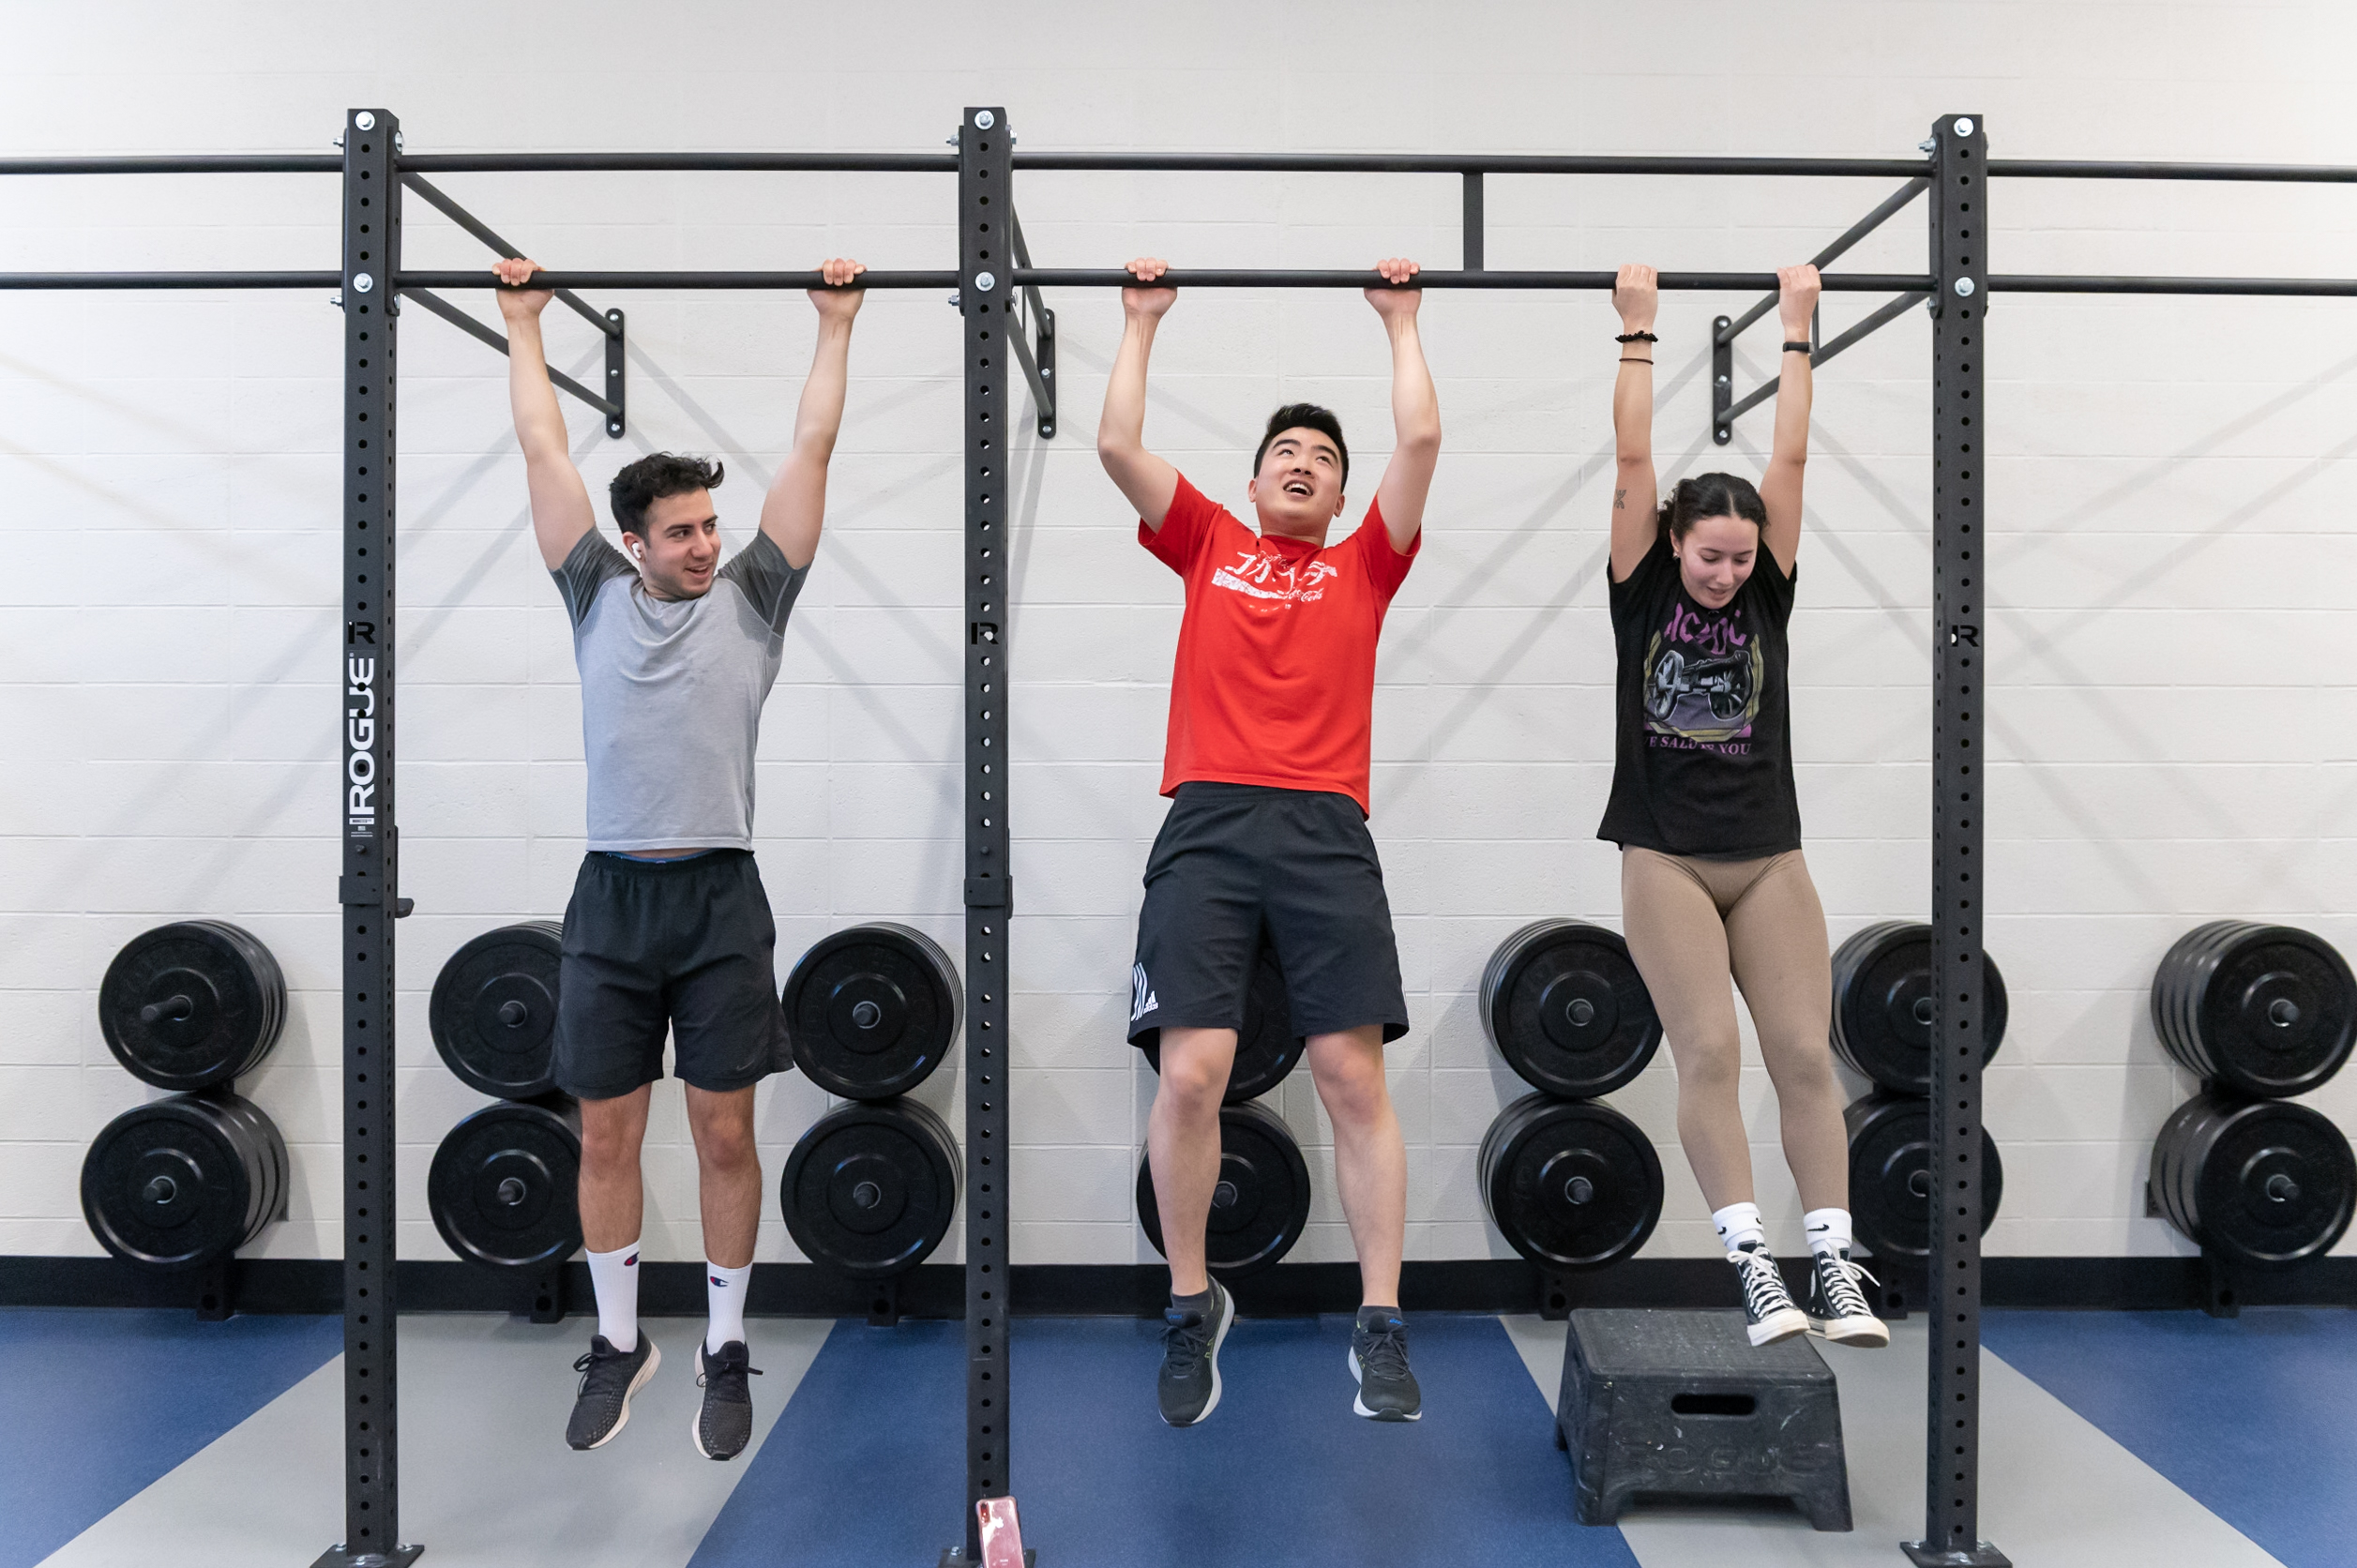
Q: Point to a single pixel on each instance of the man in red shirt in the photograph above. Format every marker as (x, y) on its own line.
(1266, 764)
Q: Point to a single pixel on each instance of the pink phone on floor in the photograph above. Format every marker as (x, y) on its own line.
(1001, 1536)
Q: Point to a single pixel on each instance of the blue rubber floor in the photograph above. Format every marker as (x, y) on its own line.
(95, 1405)
(2254, 1417)
(865, 1465)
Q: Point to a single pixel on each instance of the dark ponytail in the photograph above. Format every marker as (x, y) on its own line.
(1710, 495)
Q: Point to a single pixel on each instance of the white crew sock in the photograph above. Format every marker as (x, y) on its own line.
(724, 1289)
(1739, 1223)
(1828, 1229)
(615, 1275)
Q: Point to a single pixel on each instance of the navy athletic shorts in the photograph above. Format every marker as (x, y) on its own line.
(1235, 860)
(684, 946)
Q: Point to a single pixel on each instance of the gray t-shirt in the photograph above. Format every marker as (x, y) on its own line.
(671, 694)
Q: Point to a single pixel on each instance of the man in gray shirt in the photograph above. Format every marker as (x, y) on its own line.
(668, 930)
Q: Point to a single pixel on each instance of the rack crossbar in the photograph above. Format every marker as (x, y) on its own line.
(683, 162)
(2058, 283)
(1353, 278)
(179, 163)
(483, 280)
(1458, 163)
(169, 279)
(2079, 169)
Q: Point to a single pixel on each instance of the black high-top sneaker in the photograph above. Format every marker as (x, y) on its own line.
(601, 1405)
(1767, 1304)
(1839, 1307)
(1188, 1389)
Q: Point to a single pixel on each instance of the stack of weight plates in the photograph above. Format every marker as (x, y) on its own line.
(502, 1186)
(184, 1182)
(1882, 1017)
(870, 1189)
(2261, 1013)
(1569, 1181)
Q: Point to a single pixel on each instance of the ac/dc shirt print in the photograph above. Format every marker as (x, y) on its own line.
(1703, 747)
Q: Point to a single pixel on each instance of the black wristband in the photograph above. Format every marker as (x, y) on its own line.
(1799, 348)
(1637, 337)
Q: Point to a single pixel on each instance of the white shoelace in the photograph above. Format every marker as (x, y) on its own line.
(1764, 1294)
(1837, 1281)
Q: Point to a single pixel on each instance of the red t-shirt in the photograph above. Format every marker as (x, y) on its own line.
(1274, 680)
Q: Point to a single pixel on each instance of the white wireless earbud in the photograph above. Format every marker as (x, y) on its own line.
(638, 552)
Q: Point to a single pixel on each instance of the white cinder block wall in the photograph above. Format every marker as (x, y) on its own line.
(2174, 576)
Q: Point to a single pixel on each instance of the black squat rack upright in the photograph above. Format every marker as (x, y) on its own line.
(997, 295)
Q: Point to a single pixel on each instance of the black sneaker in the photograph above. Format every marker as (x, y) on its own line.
(601, 1405)
(724, 1423)
(1188, 1389)
(1379, 1362)
(1837, 1305)
(1767, 1304)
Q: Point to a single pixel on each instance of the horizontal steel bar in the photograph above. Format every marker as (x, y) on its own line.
(2072, 169)
(484, 279)
(171, 279)
(2052, 283)
(1856, 335)
(1832, 252)
(515, 163)
(1215, 278)
(481, 230)
(1463, 163)
(181, 163)
(475, 329)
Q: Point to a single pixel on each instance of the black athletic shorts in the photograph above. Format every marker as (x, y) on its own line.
(687, 945)
(1235, 860)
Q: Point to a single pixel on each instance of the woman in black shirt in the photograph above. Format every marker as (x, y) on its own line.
(1713, 884)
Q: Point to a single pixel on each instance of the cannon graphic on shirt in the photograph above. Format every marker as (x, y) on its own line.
(1726, 683)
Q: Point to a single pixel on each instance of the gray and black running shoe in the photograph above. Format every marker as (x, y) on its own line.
(1188, 1389)
(601, 1405)
(724, 1423)
(1840, 1307)
(1768, 1308)
(1379, 1362)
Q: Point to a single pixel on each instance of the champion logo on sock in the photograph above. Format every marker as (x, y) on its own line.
(717, 1280)
(1141, 998)
(631, 1261)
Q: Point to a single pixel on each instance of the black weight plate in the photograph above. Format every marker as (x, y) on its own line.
(872, 1010)
(1882, 1005)
(191, 1005)
(184, 1182)
(494, 1010)
(871, 1188)
(1890, 1175)
(2262, 1182)
(502, 1187)
(1261, 1205)
(1267, 1049)
(2269, 1011)
(1570, 1184)
(1566, 1008)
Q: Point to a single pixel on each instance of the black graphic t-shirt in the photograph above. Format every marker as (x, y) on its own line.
(1702, 761)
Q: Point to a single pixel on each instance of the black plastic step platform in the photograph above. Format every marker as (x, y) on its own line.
(1679, 1406)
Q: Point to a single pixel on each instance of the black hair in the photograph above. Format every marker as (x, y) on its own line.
(1710, 495)
(641, 483)
(1305, 417)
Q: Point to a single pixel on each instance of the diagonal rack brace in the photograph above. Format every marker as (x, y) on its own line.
(1723, 421)
(1039, 361)
(610, 323)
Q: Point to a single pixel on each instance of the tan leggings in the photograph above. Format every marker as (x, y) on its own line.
(1693, 923)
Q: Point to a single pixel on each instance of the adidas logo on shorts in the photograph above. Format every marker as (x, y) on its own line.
(1141, 1000)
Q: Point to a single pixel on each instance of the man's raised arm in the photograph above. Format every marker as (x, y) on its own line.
(1148, 481)
(1416, 408)
(795, 507)
(561, 513)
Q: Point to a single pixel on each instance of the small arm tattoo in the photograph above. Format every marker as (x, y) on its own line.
(1620, 501)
